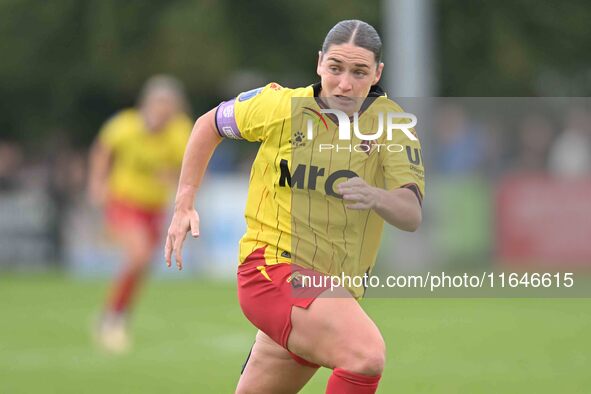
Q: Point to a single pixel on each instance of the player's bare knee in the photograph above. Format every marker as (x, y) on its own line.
(374, 363)
(137, 266)
(139, 259)
(365, 358)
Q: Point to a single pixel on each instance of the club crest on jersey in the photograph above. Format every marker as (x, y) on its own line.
(298, 140)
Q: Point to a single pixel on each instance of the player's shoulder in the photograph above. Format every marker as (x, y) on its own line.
(273, 91)
(392, 110)
(126, 114)
(181, 123)
(124, 118)
(124, 121)
(272, 100)
(385, 103)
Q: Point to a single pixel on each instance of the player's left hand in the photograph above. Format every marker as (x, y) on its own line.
(358, 194)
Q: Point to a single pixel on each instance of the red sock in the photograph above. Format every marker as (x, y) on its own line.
(345, 382)
(124, 290)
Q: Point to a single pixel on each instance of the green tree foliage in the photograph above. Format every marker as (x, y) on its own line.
(67, 65)
(514, 48)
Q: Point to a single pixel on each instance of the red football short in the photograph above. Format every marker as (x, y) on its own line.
(122, 215)
(268, 292)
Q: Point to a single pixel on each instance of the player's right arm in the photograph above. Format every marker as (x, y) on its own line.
(111, 136)
(202, 143)
(242, 118)
(98, 171)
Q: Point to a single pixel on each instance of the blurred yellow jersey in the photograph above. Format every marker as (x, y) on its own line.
(293, 208)
(144, 162)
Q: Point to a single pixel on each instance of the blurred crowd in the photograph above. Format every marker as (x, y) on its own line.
(533, 143)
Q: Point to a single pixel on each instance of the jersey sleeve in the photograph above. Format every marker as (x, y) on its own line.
(246, 116)
(402, 163)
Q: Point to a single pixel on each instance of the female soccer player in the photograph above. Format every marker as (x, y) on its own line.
(316, 206)
(134, 164)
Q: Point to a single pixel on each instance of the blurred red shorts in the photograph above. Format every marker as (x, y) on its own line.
(267, 294)
(126, 216)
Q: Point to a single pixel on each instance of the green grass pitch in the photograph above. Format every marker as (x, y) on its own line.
(191, 337)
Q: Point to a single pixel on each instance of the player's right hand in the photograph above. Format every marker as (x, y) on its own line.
(182, 222)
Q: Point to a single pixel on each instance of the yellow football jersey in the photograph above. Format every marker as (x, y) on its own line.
(293, 208)
(142, 158)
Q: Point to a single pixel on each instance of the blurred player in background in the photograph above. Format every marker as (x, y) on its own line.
(134, 165)
(311, 212)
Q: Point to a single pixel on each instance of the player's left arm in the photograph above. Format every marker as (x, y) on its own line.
(399, 207)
